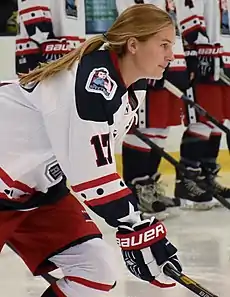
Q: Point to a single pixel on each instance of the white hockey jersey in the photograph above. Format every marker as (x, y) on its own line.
(176, 73)
(61, 22)
(71, 120)
(199, 21)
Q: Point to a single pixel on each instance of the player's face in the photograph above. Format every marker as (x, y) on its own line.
(224, 5)
(171, 4)
(102, 75)
(153, 56)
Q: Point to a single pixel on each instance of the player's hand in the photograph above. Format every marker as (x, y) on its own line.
(209, 60)
(146, 250)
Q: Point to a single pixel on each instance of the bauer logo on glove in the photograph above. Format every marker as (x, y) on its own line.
(146, 250)
(142, 238)
(58, 47)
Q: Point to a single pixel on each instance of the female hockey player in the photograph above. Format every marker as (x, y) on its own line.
(64, 118)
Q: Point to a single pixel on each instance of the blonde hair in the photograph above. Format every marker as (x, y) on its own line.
(140, 21)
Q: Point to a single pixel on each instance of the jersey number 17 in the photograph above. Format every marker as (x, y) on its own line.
(102, 149)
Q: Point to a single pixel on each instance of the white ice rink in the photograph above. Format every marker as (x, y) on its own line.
(203, 241)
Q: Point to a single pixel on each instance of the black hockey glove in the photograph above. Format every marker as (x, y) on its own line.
(146, 250)
(209, 61)
(53, 49)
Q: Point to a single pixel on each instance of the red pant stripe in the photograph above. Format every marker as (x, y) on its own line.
(90, 284)
(57, 291)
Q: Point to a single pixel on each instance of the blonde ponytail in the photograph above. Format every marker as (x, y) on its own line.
(46, 70)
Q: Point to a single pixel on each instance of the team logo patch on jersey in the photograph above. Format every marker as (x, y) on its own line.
(100, 82)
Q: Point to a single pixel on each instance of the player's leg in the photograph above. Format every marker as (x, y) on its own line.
(164, 111)
(88, 270)
(195, 147)
(140, 165)
(192, 147)
(63, 235)
(209, 164)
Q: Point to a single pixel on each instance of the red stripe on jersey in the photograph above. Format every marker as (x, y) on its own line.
(73, 38)
(57, 291)
(198, 135)
(23, 40)
(108, 198)
(191, 29)
(3, 196)
(138, 148)
(34, 8)
(191, 18)
(96, 182)
(188, 19)
(14, 183)
(209, 124)
(155, 136)
(177, 68)
(38, 20)
(89, 283)
(179, 56)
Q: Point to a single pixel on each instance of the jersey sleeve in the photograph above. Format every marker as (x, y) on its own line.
(35, 17)
(80, 133)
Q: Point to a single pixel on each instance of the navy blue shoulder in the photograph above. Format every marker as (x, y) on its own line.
(98, 87)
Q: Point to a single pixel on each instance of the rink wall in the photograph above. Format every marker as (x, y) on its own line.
(7, 66)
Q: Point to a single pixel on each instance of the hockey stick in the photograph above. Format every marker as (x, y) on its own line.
(49, 278)
(178, 93)
(160, 151)
(180, 167)
(226, 80)
(187, 282)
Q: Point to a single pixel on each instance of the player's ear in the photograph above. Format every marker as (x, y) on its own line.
(132, 45)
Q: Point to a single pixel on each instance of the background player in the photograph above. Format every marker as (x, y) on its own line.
(200, 26)
(47, 30)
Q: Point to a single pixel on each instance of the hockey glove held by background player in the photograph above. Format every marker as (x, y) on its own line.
(146, 250)
(209, 61)
(53, 49)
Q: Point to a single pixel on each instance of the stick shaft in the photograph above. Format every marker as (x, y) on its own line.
(187, 282)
